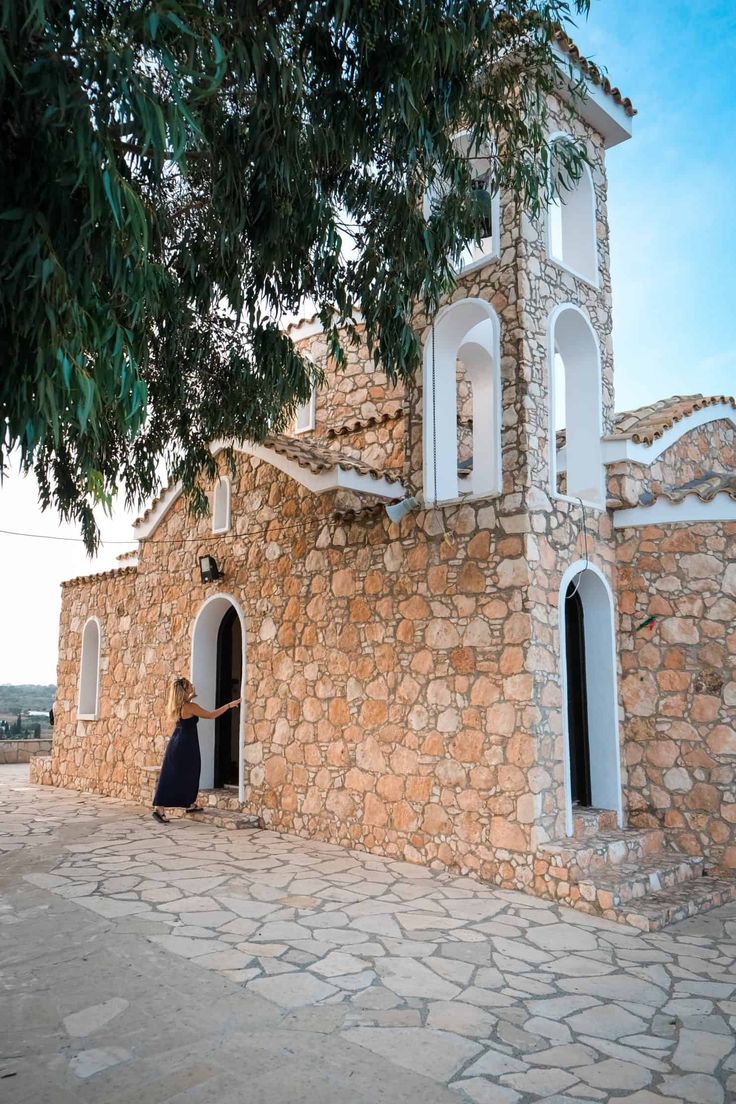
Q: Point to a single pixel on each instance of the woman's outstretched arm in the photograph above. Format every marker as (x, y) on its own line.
(192, 709)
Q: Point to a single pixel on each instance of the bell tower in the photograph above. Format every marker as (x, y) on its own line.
(517, 388)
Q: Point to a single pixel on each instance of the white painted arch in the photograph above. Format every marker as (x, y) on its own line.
(204, 677)
(601, 671)
(88, 700)
(468, 329)
(572, 240)
(571, 337)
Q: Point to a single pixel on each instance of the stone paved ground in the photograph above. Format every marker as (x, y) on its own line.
(188, 965)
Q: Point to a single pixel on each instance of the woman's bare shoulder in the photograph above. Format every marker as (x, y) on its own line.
(193, 709)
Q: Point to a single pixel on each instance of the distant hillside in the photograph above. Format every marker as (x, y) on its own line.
(18, 699)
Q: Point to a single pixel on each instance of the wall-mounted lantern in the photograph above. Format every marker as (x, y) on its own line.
(208, 569)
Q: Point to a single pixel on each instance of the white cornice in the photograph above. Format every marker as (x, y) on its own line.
(321, 482)
(690, 509)
(597, 107)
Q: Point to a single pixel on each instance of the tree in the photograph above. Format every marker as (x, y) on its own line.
(176, 174)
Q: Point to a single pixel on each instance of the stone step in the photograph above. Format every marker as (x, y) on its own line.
(225, 818)
(608, 848)
(589, 822)
(225, 799)
(669, 906)
(230, 819)
(613, 886)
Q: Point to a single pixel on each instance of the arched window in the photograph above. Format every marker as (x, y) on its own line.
(476, 253)
(575, 407)
(89, 672)
(462, 356)
(306, 414)
(221, 505)
(481, 166)
(571, 222)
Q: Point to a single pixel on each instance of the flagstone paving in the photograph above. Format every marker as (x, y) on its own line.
(387, 981)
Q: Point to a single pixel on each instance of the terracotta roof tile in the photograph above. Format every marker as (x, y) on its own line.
(307, 454)
(647, 424)
(302, 320)
(705, 487)
(318, 458)
(115, 572)
(592, 72)
(365, 423)
(366, 513)
(154, 503)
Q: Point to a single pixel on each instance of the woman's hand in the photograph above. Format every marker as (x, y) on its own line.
(234, 704)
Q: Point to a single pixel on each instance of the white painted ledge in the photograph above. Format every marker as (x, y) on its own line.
(664, 512)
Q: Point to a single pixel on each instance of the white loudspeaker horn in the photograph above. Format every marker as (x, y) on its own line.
(398, 510)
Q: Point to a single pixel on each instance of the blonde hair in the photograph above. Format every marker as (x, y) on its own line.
(178, 691)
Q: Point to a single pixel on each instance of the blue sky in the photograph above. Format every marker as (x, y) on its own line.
(672, 194)
(672, 199)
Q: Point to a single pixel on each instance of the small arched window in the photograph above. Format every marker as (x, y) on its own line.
(481, 164)
(89, 672)
(571, 221)
(481, 168)
(221, 505)
(575, 408)
(306, 414)
(462, 404)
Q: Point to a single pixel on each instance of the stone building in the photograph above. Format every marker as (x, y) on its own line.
(479, 685)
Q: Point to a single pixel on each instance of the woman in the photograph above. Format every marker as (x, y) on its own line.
(178, 781)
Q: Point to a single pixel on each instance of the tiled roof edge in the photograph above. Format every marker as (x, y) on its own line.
(116, 572)
(592, 72)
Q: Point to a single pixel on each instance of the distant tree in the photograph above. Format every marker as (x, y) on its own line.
(18, 728)
(36, 732)
(174, 175)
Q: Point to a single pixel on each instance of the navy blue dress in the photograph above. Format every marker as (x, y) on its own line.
(178, 781)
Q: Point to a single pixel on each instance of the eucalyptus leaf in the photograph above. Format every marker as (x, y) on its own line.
(175, 176)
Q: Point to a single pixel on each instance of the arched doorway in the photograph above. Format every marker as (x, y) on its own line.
(229, 673)
(577, 697)
(589, 692)
(218, 673)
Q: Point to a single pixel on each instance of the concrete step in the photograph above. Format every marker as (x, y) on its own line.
(669, 906)
(589, 822)
(607, 848)
(617, 884)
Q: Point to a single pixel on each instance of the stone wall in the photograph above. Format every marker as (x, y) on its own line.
(21, 751)
(708, 448)
(679, 682)
(403, 688)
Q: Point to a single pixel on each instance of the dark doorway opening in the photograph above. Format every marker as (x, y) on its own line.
(577, 697)
(229, 668)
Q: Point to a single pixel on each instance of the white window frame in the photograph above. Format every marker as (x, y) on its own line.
(89, 671)
(311, 409)
(590, 215)
(222, 482)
